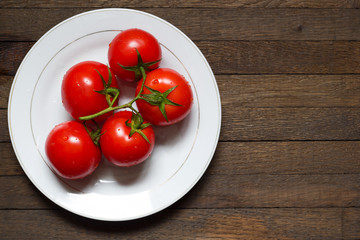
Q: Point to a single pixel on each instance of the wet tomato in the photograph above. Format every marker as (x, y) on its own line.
(71, 151)
(79, 89)
(123, 52)
(168, 97)
(119, 147)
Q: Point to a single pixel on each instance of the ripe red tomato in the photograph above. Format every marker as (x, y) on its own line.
(171, 90)
(122, 50)
(121, 149)
(71, 151)
(78, 89)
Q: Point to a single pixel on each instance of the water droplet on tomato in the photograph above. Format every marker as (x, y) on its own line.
(65, 138)
(155, 81)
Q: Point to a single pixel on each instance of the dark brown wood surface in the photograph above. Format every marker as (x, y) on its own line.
(287, 164)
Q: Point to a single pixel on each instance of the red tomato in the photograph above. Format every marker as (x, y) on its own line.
(122, 50)
(162, 80)
(71, 151)
(121, 149)
(78, 89)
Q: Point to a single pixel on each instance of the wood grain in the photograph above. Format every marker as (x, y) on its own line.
(12, 54)
(287, 164)
(5, 85)
(251, 91)
(284, 107)
(273, 191)
(252, 158)
(351, 223)
(280, 124)
(184, 223)
(207, 24)
(246, 57)
(218, 191)
(285, 57)
(4, 131)
(183, 4)
(317, 91)
(274, 124)
(9, 164)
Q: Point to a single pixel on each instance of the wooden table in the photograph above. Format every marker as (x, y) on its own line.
(287, 164)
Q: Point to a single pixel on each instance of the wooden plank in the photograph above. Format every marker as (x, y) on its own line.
(17, 190)
(175, 224)
(9, 163)
(12, 54)
(351, 223)
(4, 131)
(207, 24)
(274, 124)
(259, 124)
(290, 90)
(286, 158)
(250, 158)
(226, 191)
(182, 4)
(246, 57)
(290, 57)
(5, 85)
(241, 191)
(271, 90)
(253, 91)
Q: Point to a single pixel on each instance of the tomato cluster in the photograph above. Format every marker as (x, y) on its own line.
(102, 125)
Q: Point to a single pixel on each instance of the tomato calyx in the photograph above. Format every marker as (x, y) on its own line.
(127, 105)
(137, 125)
(157, 98)
(108, 91)
(94, 134)
(137, 122)
(137, 68)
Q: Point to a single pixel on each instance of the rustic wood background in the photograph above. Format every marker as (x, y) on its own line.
(287, 164)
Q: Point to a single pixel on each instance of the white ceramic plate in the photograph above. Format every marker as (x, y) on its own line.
(182, 152)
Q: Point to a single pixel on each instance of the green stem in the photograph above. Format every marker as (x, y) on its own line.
(143, 73)
(127, 105)
(114, 99)
(134, 110)
(106, 110)
(108, 99)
